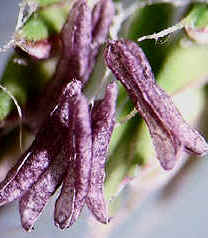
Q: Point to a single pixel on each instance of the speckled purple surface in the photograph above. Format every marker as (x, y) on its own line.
(77, 37)
(170, 133)
(183, 216)
(83, 153)
(37, 158)
(35, 199)
(103, 121)
(76, 182)
(102, 17)
(81, 38)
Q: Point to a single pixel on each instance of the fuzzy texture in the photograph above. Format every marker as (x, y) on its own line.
(37, 158)
(61, 118)
(76, 38)
(102, 17)
(81, 37)
(64, 207)
(103, 121)
(35, 199)
(76, 182)
(170, 133)
(43, 151)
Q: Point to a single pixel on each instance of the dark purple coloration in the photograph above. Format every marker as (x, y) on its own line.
(36, 159)
(80, 45)
(82, 35)
(35, 199)
(76, 183)
(170, 133)
(63, 145)
(103, 121)
(64, 207)
(102, 17)
(17, 183)
(77, 38)
(43, 150)
(73, 63)
(72, 143)
(80, 181)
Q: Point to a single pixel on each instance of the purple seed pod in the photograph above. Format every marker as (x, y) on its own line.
(77, 37)
(14, 171)
(103, 121)
(102, 18)
(170, 133)
(43, 150)
(35, 199)
(76, 182)
(32, 164)
(83, 153)
(64, 207)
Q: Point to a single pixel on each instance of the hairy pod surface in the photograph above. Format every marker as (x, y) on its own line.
(35, 199)
(170, 133)
(103, 121)
(76, 183)
(42, 152)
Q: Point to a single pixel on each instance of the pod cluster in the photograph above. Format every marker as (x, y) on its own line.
(73, 137)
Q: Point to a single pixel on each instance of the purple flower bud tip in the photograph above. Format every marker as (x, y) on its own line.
(170, 133)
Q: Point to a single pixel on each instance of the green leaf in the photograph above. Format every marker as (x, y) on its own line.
(121, 163)
(23, 81)
(15, 80)
(43, 3)
(198, 16)
(44, 23)
(197, 23)
(187, 62)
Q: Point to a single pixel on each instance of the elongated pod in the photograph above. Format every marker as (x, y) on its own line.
(170, 133)
(36, 198)
(43, 150)
(103, 121)
(76, 183)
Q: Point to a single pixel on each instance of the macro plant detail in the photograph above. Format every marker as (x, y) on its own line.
(169, 132)
(72, 132)
(42, 168)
